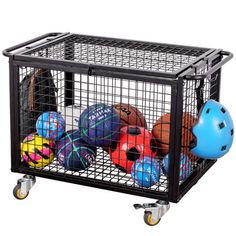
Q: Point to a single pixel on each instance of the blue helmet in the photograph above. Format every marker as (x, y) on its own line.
(214, 131)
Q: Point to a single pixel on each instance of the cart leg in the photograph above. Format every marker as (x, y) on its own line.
(153, 211)
(69, 89)
(21, 190)
(69, 77)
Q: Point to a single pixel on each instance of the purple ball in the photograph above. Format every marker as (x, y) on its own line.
(99, 125)
(73, 153)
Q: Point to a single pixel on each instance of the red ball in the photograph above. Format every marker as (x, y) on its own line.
(135, 142)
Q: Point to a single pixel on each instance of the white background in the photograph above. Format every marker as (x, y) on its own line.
(56, 208)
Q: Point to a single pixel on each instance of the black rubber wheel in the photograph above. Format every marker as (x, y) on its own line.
(17, 193)
(148, 219)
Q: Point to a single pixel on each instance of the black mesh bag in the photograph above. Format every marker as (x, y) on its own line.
(37, 95)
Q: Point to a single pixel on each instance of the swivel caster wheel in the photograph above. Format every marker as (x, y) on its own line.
(153, 211)
(18, 194)
(21, 190)
(148, 219)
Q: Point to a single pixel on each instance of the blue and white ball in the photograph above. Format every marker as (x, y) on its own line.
(50, 125)
(185, 166)
(146, 172)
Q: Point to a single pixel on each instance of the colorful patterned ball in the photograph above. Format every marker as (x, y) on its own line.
(146, 172)
(73, 153)
(37, 151)
(99, 125)
(185, 166)
(50, 125)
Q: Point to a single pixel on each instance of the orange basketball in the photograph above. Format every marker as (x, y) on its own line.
(161, 131)
(130, 115)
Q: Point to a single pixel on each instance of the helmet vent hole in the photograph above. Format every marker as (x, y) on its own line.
(223, 110)
(133, 154)
(232, 132)
(208, 110)
(221, 125)
(223, 148)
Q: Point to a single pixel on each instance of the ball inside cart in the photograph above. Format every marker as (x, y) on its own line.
(130, 115)
(37, 151)
(161, 131)
(50, 125)
(99, 125)
(185, 166)
(146, 172)
(73, 153)
(134, 143)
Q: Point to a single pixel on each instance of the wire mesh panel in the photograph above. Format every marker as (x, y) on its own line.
(119, 53)
(195, 94)
(78, 149)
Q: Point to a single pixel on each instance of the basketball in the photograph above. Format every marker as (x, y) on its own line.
(130, 115)
(50, 125)
(73, 153)
(99, 125)
(161, 131)
(145, 172)
(134, 143)
(37, 151)
(185, 166)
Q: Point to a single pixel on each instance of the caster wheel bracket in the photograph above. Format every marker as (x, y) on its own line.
(156, 210)
(26, 183)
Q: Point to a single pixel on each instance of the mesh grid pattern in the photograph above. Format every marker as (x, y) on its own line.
(153, 100)
(193, 92)
(120, 53)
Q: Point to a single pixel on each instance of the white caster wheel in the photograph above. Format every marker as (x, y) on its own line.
(153, 211)
(21, 190)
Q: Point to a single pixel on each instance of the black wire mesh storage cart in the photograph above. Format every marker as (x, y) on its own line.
(110, 113)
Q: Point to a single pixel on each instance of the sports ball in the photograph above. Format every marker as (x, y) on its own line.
(50, 125)
(73, 153)
(99, 125)
(185, 166)
(135, 142)
(130, 115)
(161, 131)
(71, 116)
(37, 151)
(145, 172)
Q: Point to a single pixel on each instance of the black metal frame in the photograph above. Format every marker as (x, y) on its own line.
(213, 59)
